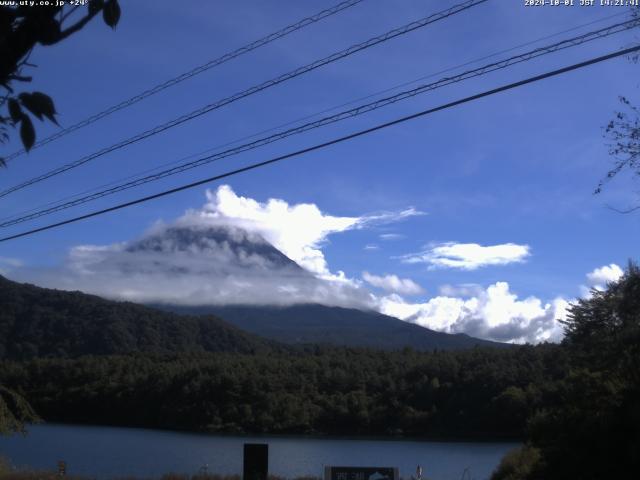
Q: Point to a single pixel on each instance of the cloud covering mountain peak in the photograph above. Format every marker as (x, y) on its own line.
(239, 251)
(234, 250)
(215, 245)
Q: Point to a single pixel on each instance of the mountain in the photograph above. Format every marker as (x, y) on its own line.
(196, 264)
(216, 245)
(300, 324)
(42, 322)
(201, 265)
(244, 268)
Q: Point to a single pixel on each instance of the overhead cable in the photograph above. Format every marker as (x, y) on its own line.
(353, 112)
(335, 141)
(192, 73)
(250, 91)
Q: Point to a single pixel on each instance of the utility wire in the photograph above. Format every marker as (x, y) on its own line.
(335, 141)
(255, 89)
(307, 117)
(192, 73)
(499, 65)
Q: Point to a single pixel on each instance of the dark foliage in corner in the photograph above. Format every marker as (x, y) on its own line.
(591, 429)
(15, 412)
(623, 136)
(517, 464)
(22, 28)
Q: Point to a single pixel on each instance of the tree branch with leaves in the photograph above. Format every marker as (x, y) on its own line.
(15, 412)
(623, 135)
(23, 28)
(623, 132)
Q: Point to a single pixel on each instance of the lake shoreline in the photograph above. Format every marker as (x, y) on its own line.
(310, 436)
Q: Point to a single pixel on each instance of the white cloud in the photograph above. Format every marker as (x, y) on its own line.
(8, 264)
(243, 268)
(391, 216)
(392, 283)
(222, 254)
(600, 277)
(299, 230)
(494, 313)
(469, 256)
(462, 290)
(189, 264)
(391, 236)
(371, 246)
(11, 262)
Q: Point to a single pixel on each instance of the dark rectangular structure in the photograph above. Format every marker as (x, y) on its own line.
(256, 461)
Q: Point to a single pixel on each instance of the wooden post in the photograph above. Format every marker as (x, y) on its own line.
(256, 461)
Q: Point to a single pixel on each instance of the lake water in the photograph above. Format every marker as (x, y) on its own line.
(115, 452)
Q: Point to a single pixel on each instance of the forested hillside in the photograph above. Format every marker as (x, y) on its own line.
(39, 322)
(312, 323)
(482, 393)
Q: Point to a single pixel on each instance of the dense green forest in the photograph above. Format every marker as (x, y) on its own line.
(472, 393)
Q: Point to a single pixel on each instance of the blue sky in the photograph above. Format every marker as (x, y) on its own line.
(516, 168)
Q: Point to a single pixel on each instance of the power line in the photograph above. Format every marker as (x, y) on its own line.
(313, 115)
(483, 70)
(335, 118)
(255, 89)
(192, 73)
(335, 141)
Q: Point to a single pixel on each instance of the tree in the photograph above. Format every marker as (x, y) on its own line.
(15, 411)
(623, 133)
(22, 28)
(593, 429)
(604, 329)
(517, 464)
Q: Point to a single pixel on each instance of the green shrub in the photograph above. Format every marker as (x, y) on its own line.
(518, 464)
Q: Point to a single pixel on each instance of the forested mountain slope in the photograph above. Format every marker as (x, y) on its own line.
(301, 324)
(41, 322)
